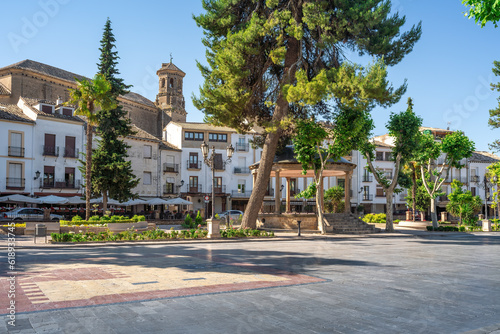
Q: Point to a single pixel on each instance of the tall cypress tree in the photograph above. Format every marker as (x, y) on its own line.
(111, 174)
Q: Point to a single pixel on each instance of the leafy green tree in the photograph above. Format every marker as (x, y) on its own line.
(317, 145)
(112, 175)
(404, 129)
(334, 197)
(455, 147)
(421, 200)
(88, 96)
(494, 120)
(269, 61)
(483, 11)
(462, 203)
(493, 175)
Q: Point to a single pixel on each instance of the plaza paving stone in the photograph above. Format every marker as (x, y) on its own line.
(406, 282)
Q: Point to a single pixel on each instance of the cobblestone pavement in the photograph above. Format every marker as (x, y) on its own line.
(406, 282)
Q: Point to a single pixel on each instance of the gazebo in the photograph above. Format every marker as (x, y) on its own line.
(286, 166)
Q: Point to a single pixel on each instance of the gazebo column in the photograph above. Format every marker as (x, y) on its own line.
(288, 208)
(347, 192)
(277, 193)
(254, 179)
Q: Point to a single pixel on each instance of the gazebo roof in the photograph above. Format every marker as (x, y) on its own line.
(287, 165)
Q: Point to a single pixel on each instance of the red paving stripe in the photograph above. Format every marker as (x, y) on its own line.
(27, 306)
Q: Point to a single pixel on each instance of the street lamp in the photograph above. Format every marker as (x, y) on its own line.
(485, 184)
(209, 161)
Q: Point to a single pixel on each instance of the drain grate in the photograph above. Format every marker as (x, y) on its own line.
(194, 279)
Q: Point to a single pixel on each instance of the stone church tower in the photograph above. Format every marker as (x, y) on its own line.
(170, 99)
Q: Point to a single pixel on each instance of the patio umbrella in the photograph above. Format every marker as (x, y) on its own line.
(134, 202)
(178, 201)
(110, 201)
(19, 199)
(52, 199)
(75, 200)
(157, 201)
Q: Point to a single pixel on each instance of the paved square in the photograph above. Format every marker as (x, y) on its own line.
(73, 283)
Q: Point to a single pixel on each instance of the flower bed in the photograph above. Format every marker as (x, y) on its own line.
(132, 235)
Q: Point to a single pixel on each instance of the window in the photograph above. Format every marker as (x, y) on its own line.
(366, 193)
(67, 111)
(341, 183)
(15, 178)
(169, 186)
(16, 147)
(146, 177)
(47, 109)
(218, 184)
(241, 186)
(388, 173)
(171, 83)
(198, 136)
(473, 191)
(379, 156)
(366, 175)
(69, 177)
(69, 148)
(380, 191)
(220, 137)
(147, 151)
(218, 164)
(193, 160)
(293, 187)
(50, 145)
(162, 83)
(388, 156)
(48, 176)
(193, 184)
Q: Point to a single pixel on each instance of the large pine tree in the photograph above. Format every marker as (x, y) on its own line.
(111, 174)
(269, 59)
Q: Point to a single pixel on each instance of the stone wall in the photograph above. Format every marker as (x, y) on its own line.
(288, 221)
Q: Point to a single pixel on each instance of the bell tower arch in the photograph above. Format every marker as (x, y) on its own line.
(170, 98)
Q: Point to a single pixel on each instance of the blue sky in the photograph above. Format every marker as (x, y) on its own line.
(448, 72)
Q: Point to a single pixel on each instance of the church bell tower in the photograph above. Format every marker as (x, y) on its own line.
(170, 98)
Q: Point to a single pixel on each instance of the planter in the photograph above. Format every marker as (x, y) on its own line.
(120, 227)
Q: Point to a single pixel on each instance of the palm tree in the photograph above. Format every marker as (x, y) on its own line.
(87, 96)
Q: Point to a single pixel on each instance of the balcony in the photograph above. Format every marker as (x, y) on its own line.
(193, 165)
(474, 178)
(15, 183)
(442, 199)
(367, 178)
(169, 189)
(59, 184)
(194, 188)
(241, 170)
(239, 193)
(170, 168)
(51, 151)
(242, 147)
(16, 151)
(219, 189)
(71, 153)
(367, 197)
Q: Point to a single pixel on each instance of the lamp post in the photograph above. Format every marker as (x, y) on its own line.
(485, 184)
(209, 161)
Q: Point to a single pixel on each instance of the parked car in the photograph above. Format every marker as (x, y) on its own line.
(230, 216)
(28, 214)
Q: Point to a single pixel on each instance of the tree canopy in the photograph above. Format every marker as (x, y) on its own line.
(269, 60)
(483, 11)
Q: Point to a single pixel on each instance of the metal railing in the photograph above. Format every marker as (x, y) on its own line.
(242, 147)
(71, 153)
(241, 170)
(239, 193)
(14, 183)
(60, 184)
(193, 165)
(219, 189)
(367, 178)
(52, 151)
(367, 197)
(16, 151)
(170, 168)
(196, 188)
(169, 188)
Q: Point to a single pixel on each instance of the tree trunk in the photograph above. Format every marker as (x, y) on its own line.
(88, 164)
(319, 207)
(271, 142)
(414, 191)
(389, 226)
(433, 213)
(104, 202)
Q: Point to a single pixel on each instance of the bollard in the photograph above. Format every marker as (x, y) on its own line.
(298, 223)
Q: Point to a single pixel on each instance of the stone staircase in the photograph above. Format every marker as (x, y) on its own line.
(345, 223)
